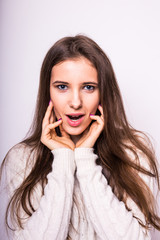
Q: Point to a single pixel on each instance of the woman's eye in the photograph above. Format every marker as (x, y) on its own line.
(89, 87)
(62, 87)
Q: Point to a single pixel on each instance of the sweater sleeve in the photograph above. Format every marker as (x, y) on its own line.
(109, 216)
(52, 217)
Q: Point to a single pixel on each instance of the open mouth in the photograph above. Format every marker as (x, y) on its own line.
(74, 120)
(74, 117)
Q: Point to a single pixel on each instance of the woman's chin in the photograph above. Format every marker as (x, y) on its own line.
(74, 131)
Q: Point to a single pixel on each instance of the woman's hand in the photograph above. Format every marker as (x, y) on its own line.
(49, 137)
(90, 135)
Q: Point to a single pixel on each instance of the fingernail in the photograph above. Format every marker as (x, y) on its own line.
(91, 114)
(50, 101)
(59, 119)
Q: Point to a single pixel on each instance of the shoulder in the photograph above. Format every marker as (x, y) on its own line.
(18, 154)
(18, 162)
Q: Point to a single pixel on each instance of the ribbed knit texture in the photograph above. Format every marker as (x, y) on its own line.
(95, 212)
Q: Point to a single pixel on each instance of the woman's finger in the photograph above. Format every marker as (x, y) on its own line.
(52, 126)
(101, 111)
(51, 120)
(54, 115)
(63, 132)
(98, 125)
(97, 118)
(47, 115)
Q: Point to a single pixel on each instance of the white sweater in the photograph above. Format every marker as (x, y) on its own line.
(95, 212)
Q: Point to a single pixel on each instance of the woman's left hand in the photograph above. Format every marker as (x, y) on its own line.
(90, 135)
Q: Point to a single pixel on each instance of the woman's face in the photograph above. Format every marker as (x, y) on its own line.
(75, 94)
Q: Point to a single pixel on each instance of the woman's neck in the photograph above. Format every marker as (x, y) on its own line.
(75, 138)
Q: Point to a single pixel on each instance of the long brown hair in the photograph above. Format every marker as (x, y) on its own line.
(115, 146)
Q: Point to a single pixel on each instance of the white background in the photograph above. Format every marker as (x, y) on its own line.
(128, 31)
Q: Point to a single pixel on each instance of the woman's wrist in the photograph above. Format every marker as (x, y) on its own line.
(63, 160)
(85, 159)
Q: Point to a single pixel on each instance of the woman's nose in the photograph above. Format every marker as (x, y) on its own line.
(76, 100)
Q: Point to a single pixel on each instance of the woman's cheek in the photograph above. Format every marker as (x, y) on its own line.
(95, 109)
(57, 114)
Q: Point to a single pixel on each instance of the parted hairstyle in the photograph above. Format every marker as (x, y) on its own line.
(118, 147)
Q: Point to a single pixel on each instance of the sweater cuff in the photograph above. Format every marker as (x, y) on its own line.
(85, 158)
(63, 161)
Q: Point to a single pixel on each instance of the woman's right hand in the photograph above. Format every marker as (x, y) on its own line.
(49, 137)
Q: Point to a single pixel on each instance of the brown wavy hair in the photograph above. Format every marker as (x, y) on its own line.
(117, 139)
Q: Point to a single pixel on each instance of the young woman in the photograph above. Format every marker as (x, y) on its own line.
(83, 172)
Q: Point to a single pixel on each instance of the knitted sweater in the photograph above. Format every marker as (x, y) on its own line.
(77, 200)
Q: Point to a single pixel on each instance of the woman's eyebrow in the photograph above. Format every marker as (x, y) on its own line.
(84, 83)
(93, 83)
(60, 82)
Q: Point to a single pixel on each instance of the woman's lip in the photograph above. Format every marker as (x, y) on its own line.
(75, 123)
